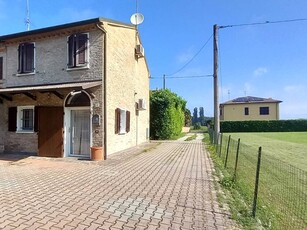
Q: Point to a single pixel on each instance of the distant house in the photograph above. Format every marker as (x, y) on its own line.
(250, 108)
(67, 88)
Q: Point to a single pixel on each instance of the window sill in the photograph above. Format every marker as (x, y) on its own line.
(78, 68)
(24, 131)
(24, 74)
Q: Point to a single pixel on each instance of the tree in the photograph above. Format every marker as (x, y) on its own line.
(167, 114)
(195, 116)
(202, 119)
(188, 118)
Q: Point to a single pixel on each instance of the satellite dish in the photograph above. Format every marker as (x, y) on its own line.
(137, 19)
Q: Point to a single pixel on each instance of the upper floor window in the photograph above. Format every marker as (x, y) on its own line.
(264, 111)
(26, 58)
(246, 111)
(77, 50)
(1, 68)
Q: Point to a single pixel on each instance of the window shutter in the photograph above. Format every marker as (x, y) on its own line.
(117, 121)
(1, 68)
(20, 54)
(81, 49)
(70, 51)
(35, 119)
(29, 57)
(127, 121)
(12, 119)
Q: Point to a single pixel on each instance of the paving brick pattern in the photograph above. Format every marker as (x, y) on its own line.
(169, 186)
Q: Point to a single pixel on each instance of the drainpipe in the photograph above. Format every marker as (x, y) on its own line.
(104, 89)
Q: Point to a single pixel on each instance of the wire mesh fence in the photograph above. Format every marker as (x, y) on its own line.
(282, 188)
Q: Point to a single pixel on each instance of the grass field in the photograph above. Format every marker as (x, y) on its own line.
(290, 147)
(282, 198)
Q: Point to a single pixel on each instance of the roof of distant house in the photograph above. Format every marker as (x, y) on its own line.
(63, 26)
(250, 99)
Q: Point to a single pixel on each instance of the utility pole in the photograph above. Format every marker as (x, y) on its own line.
(163, 81)
(216, 87)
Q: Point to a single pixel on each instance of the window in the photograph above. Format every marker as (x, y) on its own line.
(1, 68)
(246, 111)
(77, 50)
(122, 121)
(26, 58)
(25, 118)
(264, 111)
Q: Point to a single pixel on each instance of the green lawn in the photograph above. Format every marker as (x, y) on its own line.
(290, 147)
(282, 194)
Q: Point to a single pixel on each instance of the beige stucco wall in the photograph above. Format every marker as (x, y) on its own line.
(235, 112)
(127, 81)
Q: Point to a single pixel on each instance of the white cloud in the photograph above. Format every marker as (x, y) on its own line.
(260, 71)
(185, 56)
(294, 88)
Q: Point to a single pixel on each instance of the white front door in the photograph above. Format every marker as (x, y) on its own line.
(80, 133)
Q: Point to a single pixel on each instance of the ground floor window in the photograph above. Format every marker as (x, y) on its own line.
(25, 118)
(122, 125)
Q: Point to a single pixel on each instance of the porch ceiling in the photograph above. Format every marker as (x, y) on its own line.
(6, 93)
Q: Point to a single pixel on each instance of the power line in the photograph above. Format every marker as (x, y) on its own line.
(185, 65)
(263, 23)
(168, 77)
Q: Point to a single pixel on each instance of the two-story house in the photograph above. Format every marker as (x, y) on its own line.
(67, 88)
(250, 108)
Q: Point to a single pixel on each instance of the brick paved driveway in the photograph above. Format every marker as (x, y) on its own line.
(167, 187)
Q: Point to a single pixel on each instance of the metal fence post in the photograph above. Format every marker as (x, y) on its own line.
(220, 153)
(237, 157)
(256, 183)
(227, 151)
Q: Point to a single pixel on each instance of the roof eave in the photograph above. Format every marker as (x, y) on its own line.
(59, 27)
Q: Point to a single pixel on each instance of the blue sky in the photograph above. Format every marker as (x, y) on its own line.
(265, 60)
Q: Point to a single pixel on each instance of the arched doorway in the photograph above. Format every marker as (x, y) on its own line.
(78, 124)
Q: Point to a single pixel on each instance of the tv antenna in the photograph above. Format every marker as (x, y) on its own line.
(28, 16)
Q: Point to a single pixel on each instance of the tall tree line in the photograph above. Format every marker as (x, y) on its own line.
(199, 117)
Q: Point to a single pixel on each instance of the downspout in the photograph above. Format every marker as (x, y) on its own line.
(104, 89)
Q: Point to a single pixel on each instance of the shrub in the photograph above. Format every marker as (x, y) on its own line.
(197, 126)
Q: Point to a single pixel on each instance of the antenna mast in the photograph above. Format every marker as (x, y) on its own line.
(28, 16)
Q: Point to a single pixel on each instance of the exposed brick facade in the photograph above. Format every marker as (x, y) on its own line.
(125, 77)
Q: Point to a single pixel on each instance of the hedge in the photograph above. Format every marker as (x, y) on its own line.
(167, 114)
(264, 126)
